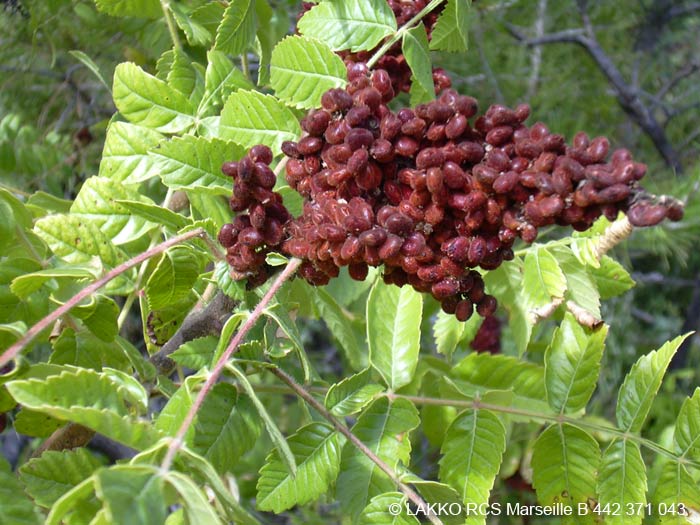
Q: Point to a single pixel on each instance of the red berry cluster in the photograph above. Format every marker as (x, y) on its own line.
(252, 235)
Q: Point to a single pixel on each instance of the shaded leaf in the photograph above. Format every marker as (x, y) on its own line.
(451, 29)
(622, 481)
(352, 394)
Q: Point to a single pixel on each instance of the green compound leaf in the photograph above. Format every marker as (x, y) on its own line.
(187, 77)
(145, 100)
(96, 202)
(316, 448)
(451, 31)
(302, 69)
(125, 156)
(226, 427)
(221, 79)
(194, 164)
(352, 394)
(173, 278)
(50, 476)
(251, 118)
(237, 29)
(15, 506)
(357, 25)
(472, 452)
(196, 354)
(565, 463)
(641, 385)
(88, 398)
(622, 481)
(154, 213)
(139, 8)
(377, 512)
(77, 240)
(572, 364)
(384, 427)
(543, 279)
(393, 332)
(132, 494)
(687, 435)
(415, 49)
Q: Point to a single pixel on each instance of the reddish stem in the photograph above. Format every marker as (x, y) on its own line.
(47, 321)
(179, 438)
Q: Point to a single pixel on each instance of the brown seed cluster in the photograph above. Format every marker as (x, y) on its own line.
(431, 193)
(258, 227)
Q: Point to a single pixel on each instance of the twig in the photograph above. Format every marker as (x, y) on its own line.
(179, 439)
(172, 29)
(47, 321)
(345, 431)
(68, 437)
(628, 96)
(537, 52)
(199, 323)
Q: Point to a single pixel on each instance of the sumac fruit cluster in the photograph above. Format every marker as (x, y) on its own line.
(431, 193)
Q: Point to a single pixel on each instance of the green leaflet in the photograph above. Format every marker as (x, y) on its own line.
(377, 512)
(77, 240)
(196, 354)
(194, 164)
(132, 494)
(675, 488)
(342, 329)
(572, 364)
(125, 155)
(148, 101)
(97, 202)
(221, 79)
(506, 284)
(451, 30)
(237, 29)
(472, 452)
(196, 33)
(622, 481)
(302, 69)
(580, 286)
(641, 385)
(50, 476)
(415, 49)
(15, 506)
(384, 428)
(25, 285)
(251, 118)
(357, 25)
(196, 505)
(187, 77)
(543, 279)
(316, 448)
(687, 433)
(173, 278)
(88, 398)
(226, 427)
(564, 467)
(154, 213)
(481, 373)
(449, 332)
(272, 429)
(393, 332)
(352, 394)
(611, 278)
(140, 8)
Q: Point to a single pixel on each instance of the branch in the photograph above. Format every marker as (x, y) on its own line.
(179, 439)
(537, 53)
(627, 96)
(199, 323)
(47, 321)
(68, 437)
(345, 431)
